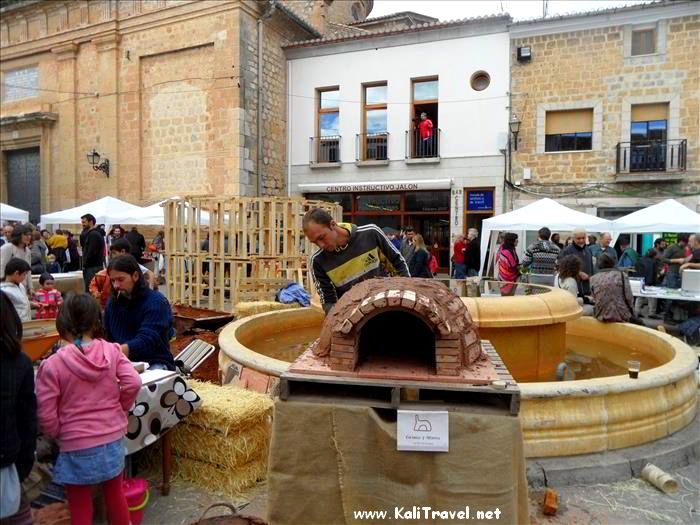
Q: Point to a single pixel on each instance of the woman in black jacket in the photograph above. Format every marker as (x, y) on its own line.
(421, 257)
(18, 426)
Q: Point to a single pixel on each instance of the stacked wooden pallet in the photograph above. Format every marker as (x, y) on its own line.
(214, 244)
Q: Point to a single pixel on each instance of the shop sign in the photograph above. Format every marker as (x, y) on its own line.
(480, 200)
(670, 237)
(341, 187)
(457, 210)
(422, 430)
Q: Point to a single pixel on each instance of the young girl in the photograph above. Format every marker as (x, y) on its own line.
(48, 297)
(84, 392)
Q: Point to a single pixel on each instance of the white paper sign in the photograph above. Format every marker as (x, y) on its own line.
(422, 430)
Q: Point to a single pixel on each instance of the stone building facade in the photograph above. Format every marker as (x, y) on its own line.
(611, 76)
(166, 90)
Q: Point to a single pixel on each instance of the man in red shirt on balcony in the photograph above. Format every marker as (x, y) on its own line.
(425, 131)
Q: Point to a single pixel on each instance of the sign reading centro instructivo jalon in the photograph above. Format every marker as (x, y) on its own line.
(342, 187)
(480, 200)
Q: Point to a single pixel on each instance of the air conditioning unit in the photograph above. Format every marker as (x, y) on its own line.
(524, 54)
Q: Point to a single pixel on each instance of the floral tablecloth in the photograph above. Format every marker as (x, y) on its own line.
(165, 399)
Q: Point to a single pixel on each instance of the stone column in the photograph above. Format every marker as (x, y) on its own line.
(64, 183)
(108, 108)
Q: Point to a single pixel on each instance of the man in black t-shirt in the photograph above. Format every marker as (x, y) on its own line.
(93, 245)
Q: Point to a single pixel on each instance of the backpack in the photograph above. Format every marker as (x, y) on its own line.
(433, 264)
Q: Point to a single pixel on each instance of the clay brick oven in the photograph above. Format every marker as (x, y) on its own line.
(396, 324)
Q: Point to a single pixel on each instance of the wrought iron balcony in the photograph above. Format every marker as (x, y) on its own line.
(372, 146)
(652, 155)
(324, 150)
(418, 147)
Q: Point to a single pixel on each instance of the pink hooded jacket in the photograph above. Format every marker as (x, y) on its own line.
(83, 398)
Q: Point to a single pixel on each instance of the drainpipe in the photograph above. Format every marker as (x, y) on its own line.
(258, 113)
(289, 129)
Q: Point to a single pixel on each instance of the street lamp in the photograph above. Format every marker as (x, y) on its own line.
(94, 159)
(514, 126)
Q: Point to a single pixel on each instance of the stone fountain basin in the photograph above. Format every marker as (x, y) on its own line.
(558, 418)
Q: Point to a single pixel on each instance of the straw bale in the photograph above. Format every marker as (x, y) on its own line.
(219, 479)
(248, 308)
(229, 451)
(228, 408)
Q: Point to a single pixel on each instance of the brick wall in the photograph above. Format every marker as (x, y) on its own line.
(589, 67)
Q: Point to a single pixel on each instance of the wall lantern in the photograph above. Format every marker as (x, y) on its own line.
(94, 160)
(514, 126)
(524, 54)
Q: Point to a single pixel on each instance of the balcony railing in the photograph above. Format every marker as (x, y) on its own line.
(372, 146)
(418, 147)
(324, 150)
(652, 155)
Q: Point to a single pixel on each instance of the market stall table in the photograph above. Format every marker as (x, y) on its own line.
(164, 400)
(670, 294)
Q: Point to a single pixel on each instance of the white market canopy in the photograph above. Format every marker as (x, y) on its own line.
(532, 217)
(666, 216)
(106, 210)
(10, 213)
(154, 215)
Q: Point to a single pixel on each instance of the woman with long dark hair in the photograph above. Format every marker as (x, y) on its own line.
(18, 247)
(507, 259)
(18, 425)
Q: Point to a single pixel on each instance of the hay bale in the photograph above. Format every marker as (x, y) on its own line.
(248, 308)
(228, 408)
(215, 478)
(222, 446)
(229, 451)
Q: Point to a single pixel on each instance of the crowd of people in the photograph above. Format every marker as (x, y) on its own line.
(84, 389)
(597, 273)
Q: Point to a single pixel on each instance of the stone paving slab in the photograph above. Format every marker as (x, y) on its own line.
(674, 451)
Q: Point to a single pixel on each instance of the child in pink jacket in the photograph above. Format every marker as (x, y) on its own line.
(84, 393)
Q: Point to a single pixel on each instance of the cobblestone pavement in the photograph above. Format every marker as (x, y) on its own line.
(632, 502)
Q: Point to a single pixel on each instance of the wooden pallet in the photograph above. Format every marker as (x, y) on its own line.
(254, 238)
(393, 393)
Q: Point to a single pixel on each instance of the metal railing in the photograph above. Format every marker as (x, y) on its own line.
(324, 149)
(418, 147)
(652, 155)
(372, 146)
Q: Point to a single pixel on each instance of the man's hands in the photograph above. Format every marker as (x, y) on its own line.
(583, 276)
(125, 349)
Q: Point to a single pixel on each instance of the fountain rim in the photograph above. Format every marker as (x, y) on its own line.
(680, 366)
(247, 357)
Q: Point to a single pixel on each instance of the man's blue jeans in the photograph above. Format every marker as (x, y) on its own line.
(460, 271)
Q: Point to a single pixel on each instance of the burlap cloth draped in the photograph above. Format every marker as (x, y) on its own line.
(328, 461)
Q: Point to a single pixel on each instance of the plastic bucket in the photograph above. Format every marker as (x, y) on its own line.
(136, 492)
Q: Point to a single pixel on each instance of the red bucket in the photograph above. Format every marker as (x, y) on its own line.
(136, 492)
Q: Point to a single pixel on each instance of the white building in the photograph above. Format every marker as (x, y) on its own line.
(354, 104)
